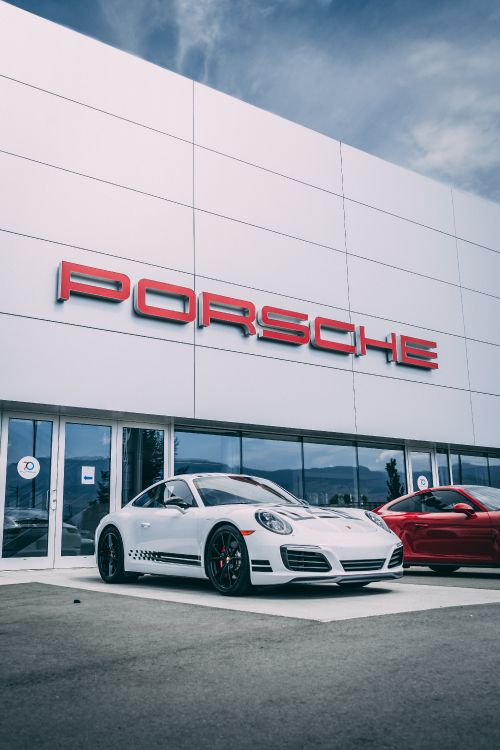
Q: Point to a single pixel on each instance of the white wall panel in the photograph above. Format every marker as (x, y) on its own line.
(486, 410)
(484, 367)
(452, 355)
(238, 129)
(52, 204)
(34, 294)
(47, 128)
(479, 268)
(240, 191)
(380, 184)
(82, 367)
(232, 251)
(231, 337)
(481, 314)
(477, 219)
(261, 391)
(51, 57)
(389, 293)
(396, 408)
(379, 236)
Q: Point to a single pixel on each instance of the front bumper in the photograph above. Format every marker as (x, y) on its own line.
(295, 563)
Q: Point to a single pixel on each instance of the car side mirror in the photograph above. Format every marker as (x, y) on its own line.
(464, 508)
(176, 502)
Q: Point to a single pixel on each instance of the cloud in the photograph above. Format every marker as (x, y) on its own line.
(413, 82)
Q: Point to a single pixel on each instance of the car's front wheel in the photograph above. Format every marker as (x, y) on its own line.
(226, 562)
(110, 557)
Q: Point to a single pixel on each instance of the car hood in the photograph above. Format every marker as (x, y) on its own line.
(327, 520)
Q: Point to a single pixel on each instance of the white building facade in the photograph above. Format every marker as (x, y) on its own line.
(190, 283)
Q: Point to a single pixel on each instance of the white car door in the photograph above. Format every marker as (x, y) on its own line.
(165, 533)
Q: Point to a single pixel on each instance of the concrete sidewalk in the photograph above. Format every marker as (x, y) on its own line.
(319, 602)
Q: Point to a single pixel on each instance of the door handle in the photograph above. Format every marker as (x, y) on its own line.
(421, 525)
(145, 524)
(52, 499)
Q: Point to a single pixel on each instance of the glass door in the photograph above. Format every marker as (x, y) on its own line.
(87, 477)
(28, 475)
(420, 468)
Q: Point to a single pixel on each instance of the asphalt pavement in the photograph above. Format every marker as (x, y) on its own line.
(123, 671)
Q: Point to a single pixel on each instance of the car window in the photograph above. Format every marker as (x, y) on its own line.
(179, 488)
(442, 501)
(411, 504)
(152, 498)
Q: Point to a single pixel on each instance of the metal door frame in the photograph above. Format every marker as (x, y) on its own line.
(31, 563)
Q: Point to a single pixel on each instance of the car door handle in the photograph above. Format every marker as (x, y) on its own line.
(421, 525)
(145, 524)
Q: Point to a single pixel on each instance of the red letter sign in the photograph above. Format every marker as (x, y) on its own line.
(170, 290)
(276, 328)
(334, 325)
(389, 346)
(118, 290)
(206, 313)
(416, 352)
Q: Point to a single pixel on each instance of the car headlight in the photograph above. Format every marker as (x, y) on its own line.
(272, 522)
(379, 521)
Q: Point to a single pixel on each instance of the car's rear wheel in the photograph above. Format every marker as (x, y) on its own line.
(110, 557)
(226, 562)
(353, 584)
(444, 569)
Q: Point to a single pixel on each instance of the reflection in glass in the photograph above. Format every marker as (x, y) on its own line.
(421, 466)
(142, 460)
(494, 466)
(442, 467)
(382, 474)
(330, 473)
(87, 464)
(277, 459)
(205, 451)
(26, 515)
(471, 470)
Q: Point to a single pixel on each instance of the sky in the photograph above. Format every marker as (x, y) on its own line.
(416, 82)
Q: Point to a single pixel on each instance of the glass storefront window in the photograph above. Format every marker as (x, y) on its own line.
(142, 460)
(473, 469)
(382, 474)
(26, 513)
(420, 468)
(206, 451)
(330, 476)
(442, 467)
(274, 458)
(87, 465)
(494, 467)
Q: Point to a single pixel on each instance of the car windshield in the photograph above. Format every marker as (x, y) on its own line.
(488, 496)
(229, 490)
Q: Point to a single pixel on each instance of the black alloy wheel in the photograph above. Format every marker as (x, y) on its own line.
(110, 557)
(445, 570)
(226, 562)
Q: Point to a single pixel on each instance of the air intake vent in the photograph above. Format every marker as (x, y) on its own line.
(301, 560)
(352, 565)
(396, 558)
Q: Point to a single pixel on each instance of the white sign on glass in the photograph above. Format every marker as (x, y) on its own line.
(422, 482)
(28, 467)
(88, 474)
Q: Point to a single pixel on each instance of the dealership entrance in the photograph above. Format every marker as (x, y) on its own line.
(60, 475)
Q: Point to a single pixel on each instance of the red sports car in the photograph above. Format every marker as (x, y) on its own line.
(447, 527)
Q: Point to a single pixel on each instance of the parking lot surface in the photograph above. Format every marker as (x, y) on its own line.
(118, 670)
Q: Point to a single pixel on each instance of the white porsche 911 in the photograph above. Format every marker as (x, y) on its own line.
(240, 531)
